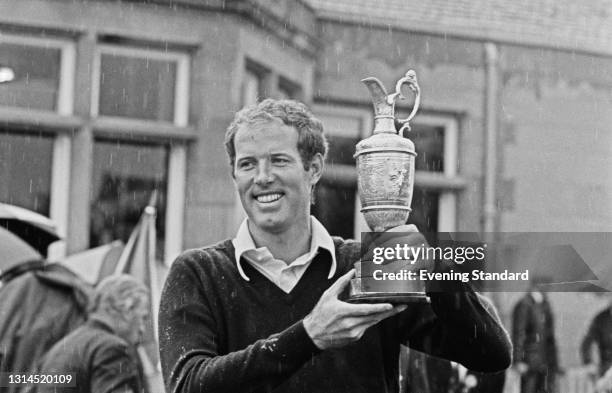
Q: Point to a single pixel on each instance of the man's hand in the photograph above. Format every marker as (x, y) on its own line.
(334, 323)
(406, 228)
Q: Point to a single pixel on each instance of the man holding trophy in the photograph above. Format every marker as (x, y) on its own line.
(266, 311)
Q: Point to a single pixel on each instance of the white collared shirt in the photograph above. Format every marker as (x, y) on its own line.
(284, 275)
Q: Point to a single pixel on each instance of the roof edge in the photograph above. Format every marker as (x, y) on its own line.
(485, 35)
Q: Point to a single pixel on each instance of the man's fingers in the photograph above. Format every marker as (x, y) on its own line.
(365, 321)
(386, 314)
(395, 310)
(341, 283)
(366, 309)
(406, 228)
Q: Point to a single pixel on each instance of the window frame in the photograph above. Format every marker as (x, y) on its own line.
(261, 74)
(65, 88)
(348, 172)
(447, 203)
(175, 135)
(181, 88)
(448, 181)
(55, 122)
(288, 87)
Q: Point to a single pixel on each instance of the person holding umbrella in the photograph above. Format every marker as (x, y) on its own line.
(41, 302)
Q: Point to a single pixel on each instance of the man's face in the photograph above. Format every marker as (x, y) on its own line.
(269, 174)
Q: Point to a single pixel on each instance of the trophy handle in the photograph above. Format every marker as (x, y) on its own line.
(411, 80)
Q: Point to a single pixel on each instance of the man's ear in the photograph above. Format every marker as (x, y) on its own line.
(316, 168)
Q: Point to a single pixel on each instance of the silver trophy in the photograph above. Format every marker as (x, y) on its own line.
(385, 173)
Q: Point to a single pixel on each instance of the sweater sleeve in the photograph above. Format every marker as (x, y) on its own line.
(459, 325)
(189, 339)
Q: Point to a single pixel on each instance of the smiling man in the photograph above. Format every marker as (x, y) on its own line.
(261, 312)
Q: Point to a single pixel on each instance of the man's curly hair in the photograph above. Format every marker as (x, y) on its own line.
(311, 139)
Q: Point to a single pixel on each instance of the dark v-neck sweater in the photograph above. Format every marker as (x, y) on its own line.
(220, 333)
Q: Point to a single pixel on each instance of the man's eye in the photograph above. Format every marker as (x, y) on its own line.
(245, 165)
(280, 161)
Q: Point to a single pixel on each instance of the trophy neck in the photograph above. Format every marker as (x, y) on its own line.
(384, 124)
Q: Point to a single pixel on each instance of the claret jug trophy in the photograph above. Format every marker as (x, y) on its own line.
(385, 173)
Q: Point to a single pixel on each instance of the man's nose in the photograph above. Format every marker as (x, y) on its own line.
(264, 173)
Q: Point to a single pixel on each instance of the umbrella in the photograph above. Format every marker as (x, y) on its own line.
(37, 230)
(14, 251)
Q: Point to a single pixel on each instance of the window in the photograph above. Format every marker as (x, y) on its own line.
(36, 73)
(336, 198)
(429, 143)
(436, 182)
(125, 178)
(288, 90)
(141, 84)
(259, 82)
(138, 96)
(436, 179)
(36, 104)
(251, 88)
(25, 169)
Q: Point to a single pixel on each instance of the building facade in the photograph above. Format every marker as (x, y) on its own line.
(104, 105)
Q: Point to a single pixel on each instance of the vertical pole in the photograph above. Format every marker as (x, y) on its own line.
(60, 193)
(491, 126)
(175, 207)
(491, 112)
(81, 159)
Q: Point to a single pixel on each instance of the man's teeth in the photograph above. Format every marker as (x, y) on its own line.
(269, 198)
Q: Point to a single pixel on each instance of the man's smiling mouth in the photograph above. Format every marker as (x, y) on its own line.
(269, 198)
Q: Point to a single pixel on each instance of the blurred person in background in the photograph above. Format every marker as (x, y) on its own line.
(533, 336)
(40, 303)
(101, 354)
(599, 335)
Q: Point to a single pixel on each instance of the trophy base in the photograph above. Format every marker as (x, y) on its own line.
(371, 290)
(388, 297)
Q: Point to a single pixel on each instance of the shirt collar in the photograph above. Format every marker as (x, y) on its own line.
(320, 238)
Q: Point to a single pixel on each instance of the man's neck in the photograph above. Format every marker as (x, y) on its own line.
(287, 245)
